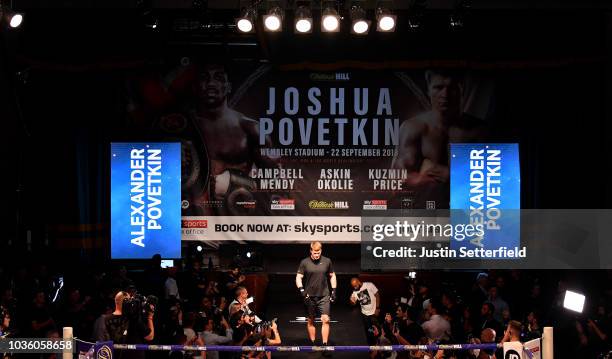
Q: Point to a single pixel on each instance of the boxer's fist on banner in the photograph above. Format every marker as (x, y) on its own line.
(234, 188)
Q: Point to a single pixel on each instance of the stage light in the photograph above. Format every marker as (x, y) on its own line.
(456, 21)
(246, 22)
(385, 20)
(151, 21)
(574, 301)
(15, 20)
(415, 22)
(330, 20)
(360, 25)
(458, 17)
(248, 254)
(303, 20)
(273, 20)
(199, 248)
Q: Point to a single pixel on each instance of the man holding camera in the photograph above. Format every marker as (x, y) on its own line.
(126, 325)
(312, 282)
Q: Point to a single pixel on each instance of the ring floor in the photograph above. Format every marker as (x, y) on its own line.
(284, 303)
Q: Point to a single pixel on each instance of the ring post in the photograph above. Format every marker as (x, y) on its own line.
(67, 334)
(547, 343)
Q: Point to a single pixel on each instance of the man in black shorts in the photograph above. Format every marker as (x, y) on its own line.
(312, 282)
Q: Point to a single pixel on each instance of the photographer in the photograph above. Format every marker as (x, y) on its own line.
(248, 333)
(265, 334)
(131, 323)
(242, 326)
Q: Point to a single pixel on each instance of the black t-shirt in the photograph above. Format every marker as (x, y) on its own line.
(316, 275)
(40, 315)
(120, 329)
(411, 332)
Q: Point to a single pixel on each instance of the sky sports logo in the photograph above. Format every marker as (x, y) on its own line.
(194, 228)
(283, 204)
(314, 204)
(194, 223)
(375, 204)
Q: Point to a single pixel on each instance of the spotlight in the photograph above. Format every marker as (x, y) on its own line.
(248, 254)
(303, 20)
(273, 20)
(199, 248)
(573, 301)
(15, 20)
(360, 25)
(385, 20)
(330, 20)
(246, 22)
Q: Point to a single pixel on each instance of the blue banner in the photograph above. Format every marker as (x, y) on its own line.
(145, 200)
(486, 191)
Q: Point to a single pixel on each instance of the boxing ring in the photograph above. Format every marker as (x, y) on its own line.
(104, 350)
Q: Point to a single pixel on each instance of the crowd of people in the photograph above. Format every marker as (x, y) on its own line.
(201, 306)
(196, 306)
(496, 308)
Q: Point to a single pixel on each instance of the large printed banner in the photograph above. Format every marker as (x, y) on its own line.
(486, 190)
(265, 144)
(145, 200)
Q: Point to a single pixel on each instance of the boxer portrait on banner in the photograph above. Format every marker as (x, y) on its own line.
(220, 146)
(231, 138)
(424, 139)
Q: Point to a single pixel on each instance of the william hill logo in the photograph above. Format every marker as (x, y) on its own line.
(338, 76)
(328, 204)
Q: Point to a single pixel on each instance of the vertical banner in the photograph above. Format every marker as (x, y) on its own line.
(145, 200)
(486, 189)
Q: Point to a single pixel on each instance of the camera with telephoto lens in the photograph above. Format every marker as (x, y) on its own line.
(137, 306)
(264, 325)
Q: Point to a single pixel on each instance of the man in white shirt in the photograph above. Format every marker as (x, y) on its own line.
(436, 328)
(366, 295)
(242, 302)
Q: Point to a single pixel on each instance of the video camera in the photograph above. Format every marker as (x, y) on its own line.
(138, 305)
